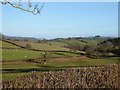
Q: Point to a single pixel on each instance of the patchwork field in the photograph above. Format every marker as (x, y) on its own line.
(17, 61)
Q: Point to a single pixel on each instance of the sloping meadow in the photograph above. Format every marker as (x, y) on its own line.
(84, 77)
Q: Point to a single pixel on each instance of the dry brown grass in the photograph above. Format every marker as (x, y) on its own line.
(86, 77)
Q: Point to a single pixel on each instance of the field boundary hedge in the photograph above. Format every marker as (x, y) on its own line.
(106, 76)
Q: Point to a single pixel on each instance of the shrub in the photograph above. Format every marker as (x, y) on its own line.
(28, 46)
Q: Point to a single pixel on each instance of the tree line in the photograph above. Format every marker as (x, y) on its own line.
(109, 47)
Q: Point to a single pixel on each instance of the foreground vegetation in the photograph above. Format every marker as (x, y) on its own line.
(83, 77)
(12, 70)
(22, 56)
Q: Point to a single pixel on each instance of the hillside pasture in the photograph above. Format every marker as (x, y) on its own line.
(20, 54)
(68, 42)
(7, 45)
(23, 54)
(14, 58)
(12, 52)
(49, 45)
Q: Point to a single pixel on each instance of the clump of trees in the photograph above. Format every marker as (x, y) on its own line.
(75, 47)
(116, 44)
(105, 48)
(28, 46)
(89, 49)
(116, 51)
(110, 47)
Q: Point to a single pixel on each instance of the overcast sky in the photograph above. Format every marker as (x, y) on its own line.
(63, 20)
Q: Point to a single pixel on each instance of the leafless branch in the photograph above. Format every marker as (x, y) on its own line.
(34, 9)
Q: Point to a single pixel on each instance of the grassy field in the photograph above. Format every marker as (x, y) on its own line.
(20, 54)
(92, 42)
(14, 64)
(12, 70)
(7, 45)
(68, 42)
(23, 54)
(44, 46)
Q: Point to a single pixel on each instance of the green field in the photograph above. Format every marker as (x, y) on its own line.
(14, 58)
(16, 69)
(68, 42)
(16, 54)
(23, 54)
(7, 45)
(12, 70)
(43, 46)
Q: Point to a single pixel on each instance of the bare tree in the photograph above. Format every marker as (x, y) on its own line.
(89, 49)
(75, 47)
(34, 9)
